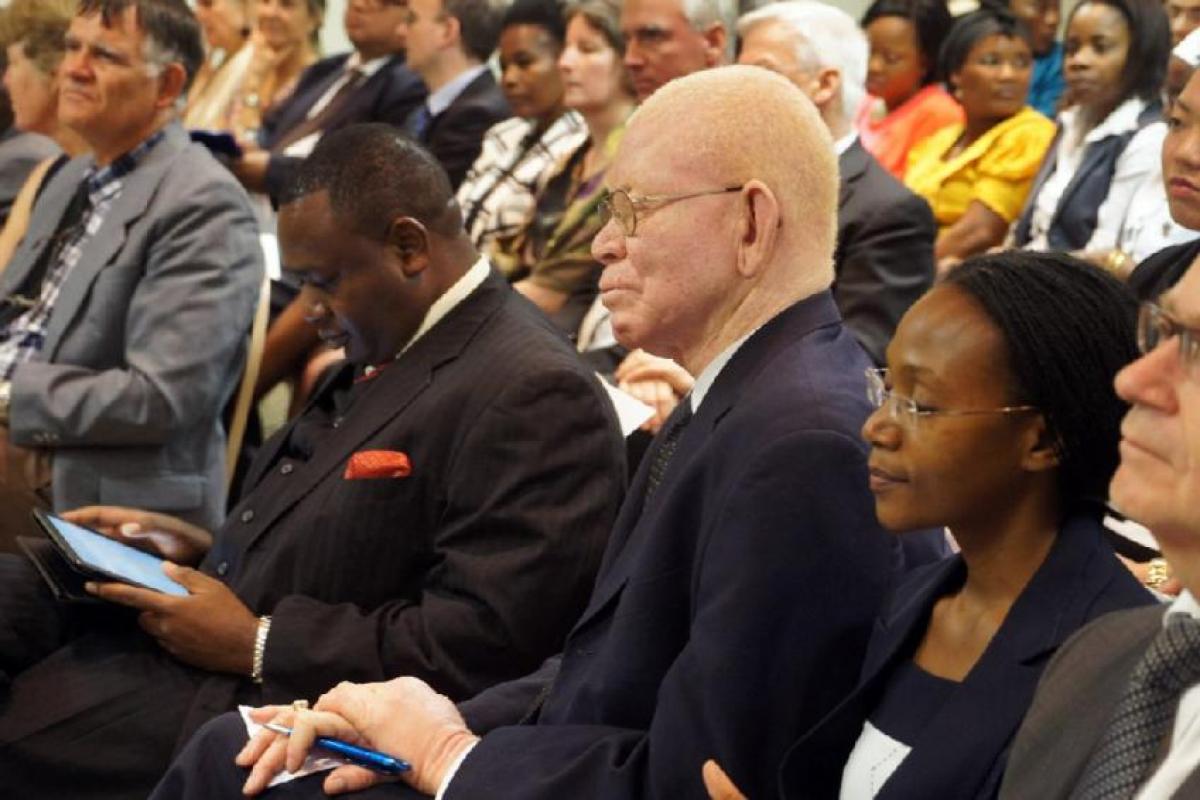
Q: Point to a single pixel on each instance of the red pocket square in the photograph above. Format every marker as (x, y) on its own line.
(378, 464)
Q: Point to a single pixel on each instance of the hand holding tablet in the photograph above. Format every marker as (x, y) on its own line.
(96, 557)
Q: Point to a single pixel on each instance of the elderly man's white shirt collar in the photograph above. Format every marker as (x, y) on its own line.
(845, 143)
(462, 287)
(440, 100)
(709, 375)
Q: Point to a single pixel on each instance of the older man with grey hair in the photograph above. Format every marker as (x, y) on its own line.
(667, 39)
(884, 256)
(124, 311)
(719, 624)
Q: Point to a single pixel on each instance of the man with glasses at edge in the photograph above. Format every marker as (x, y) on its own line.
(745, 567)
(1116, 713)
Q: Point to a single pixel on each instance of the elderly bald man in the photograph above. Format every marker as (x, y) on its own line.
(746, 566)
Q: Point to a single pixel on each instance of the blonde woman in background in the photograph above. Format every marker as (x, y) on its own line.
(284, 44)
(226, 26)
(31, 33)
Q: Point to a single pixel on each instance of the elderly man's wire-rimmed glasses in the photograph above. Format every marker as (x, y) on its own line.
(1156, 326)
(624, 207)
(906, 411)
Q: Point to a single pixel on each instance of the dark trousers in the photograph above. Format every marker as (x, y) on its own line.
(90, 707)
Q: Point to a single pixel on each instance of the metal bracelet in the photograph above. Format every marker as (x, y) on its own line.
(260, 649)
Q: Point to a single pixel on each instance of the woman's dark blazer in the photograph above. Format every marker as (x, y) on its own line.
(962, 751)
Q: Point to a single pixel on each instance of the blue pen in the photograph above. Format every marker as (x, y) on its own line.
(371, 759)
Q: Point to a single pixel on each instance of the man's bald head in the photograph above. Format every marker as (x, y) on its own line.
(735, 212)
(745, 123)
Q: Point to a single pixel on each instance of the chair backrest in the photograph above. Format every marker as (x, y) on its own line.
(22, 208)
(244, 398)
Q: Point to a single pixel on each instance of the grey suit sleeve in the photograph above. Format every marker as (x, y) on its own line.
(886, 265)
(184, 325)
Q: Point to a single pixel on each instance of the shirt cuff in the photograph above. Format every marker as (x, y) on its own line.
(450, 773)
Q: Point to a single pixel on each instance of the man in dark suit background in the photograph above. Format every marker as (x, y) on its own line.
(884, 257)
(370, 84)
(1116, 713)
(448, 43)
(720, 621)
(439, 508)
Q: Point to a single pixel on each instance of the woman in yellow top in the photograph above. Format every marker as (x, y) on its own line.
(976, 174)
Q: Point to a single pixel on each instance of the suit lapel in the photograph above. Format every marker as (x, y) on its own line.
(964, 740)
(1093, 157)
(636, 522)
(139, 186)
(305, 97)
(363, 96)
(392, 391)
(479, 85)
(1049, 164)
(852, 165)
(892, 639)
(48, 213)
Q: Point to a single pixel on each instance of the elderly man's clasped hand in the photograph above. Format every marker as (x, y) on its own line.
(402, 717)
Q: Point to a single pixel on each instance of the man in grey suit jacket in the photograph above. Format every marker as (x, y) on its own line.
(1075, 740)
(123, 312)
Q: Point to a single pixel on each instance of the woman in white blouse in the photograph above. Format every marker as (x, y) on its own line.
(1110, 138)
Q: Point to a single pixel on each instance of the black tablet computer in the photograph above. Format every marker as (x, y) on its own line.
(98, 557)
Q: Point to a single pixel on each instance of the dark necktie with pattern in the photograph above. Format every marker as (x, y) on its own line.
(418, 122)
(352, 79)
(27, 294)
(1131, 745)
(662, 457)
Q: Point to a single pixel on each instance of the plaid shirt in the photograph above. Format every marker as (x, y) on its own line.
(24, 336)
(498, 196)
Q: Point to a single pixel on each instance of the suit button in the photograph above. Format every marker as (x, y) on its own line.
(286, 469)
(222, 568)
(337, 422)
(247, 515)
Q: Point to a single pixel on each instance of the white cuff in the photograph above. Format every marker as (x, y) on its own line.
(450, 773)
